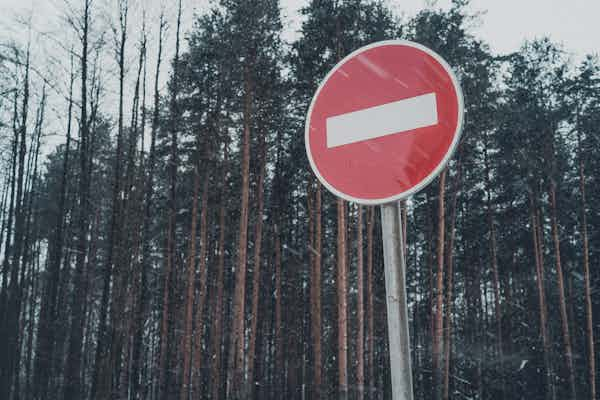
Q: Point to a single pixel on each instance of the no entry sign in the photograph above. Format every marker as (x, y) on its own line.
(384, 122)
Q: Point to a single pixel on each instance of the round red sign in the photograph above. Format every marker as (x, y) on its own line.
(384, 122)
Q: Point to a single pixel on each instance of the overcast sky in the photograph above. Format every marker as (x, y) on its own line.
(505, 24)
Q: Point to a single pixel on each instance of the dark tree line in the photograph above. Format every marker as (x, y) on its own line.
(175, 244)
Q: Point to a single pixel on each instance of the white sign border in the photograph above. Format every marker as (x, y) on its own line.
(421, 185)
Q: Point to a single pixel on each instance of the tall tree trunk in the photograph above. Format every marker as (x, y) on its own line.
(342, 301)
(4, 210)
(586, 276)
(237, 342)
(146, 240)
(438, 326)
(217, 333)
(132, 224)
(450, 283)
(171, 228)
(190, 291)
(494, 262)
(360, 312)
(118, 267)
(117, 261)
(539, 268)
(197, 375)
(341, 278)
(73, 389)
(370, 304)
(561, 293)
(279, 356)
(10, 323)
(4, 311)
(33, 295)
(256, 273)
(105, 362)
(315, 296)
(47, 325)
(28, 203)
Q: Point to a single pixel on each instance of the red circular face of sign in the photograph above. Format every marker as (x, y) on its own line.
(384, 122)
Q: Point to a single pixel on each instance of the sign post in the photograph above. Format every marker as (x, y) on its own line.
(395, 297)
(382, 125)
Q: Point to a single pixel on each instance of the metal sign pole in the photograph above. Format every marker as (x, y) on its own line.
(397, 308)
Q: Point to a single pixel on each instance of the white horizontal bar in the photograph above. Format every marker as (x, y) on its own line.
(386, 119)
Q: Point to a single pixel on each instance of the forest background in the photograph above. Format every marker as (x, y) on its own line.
(162, 236)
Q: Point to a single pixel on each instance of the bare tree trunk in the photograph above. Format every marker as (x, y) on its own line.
(11, 316)
(450, 286)
(256, 273)
(370, 304)
(5, 216)
(171, 228)
(118, 264)
(33, 294)
(47, 325)
(360, 312)
(146, 240)
(217, 333)
(342, 301)
(73, 389)
(4, 210)
(133, 228)
(197, 375)
(237, 338)
(586, 277)
(9, 231)
(315, 295)
(103, 369)
(8, 250)
(279, 372)
(26, 250)
(539, 264)
(561, 293)
(438, 327)
(190, 290)
(494, 262)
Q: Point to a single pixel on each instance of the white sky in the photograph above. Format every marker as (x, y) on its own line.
(503, 24)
